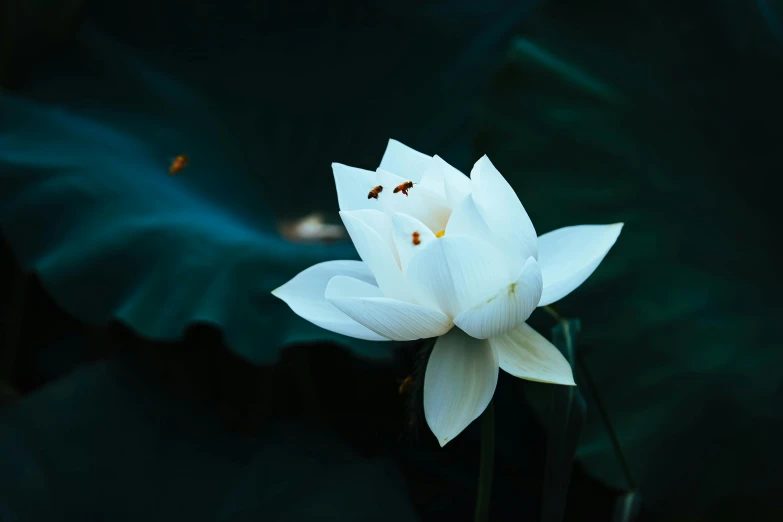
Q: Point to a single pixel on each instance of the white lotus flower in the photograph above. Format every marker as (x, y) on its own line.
(456, 258)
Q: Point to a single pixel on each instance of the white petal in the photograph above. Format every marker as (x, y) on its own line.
(305, 295)
(381, 223)
(375, 251)
(404, 161)
(506, 309)
(456, 184)
(454, 194)
(421, 203)
(466, 220)
(404, 228)
(456, 272)
(440, 171)
(353, 186)
(570, 255)
(506, 217)
(459, 382)
(391, 318)
(526, 354)
(432, 180)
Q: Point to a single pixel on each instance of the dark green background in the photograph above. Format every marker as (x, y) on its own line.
(664, 115)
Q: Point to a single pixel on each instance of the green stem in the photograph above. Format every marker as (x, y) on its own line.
(618, 450)
(487, 463)
(599, 405)
(551, 311)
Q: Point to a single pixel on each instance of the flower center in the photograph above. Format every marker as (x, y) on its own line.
(441, 233)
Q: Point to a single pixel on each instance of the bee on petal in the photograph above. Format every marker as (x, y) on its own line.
(178, 163)
(374, 192)
(416, 239)
(404, 187)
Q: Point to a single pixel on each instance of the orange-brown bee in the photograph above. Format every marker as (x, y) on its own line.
(178, 163)
(374, 192)
(416, 239)
(404, 187)
(405, 385)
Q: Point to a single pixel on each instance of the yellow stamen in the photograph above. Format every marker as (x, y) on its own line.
(441, 233)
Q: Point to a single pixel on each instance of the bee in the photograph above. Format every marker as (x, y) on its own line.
(416, 239)
(374, 192)
(178, 163)
(404, 187)
(405, 385)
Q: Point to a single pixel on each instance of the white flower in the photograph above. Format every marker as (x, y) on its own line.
(457, 258)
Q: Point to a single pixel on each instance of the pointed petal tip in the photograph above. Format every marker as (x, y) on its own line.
(528, 355)
(343, 168)
(482, 160)
(569, 255)
(305, 296)
(558, 380)
(569, 381)
(616, 228)
(459, 382)
(280, 291)
(556, 383)
(566, 381)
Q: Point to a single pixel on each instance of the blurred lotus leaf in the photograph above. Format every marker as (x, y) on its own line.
(261, 98)
(104, 443)
(665, 116)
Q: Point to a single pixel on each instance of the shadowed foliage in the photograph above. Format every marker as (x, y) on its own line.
(664, 116)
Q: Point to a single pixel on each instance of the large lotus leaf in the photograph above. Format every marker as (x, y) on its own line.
(262, 102)
(664, 116)
(105, 443)
(110, 233)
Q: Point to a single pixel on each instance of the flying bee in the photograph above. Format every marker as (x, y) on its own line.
(405, 385)
(404, 187)
(416, 239)
(178, 163)
(374, 192)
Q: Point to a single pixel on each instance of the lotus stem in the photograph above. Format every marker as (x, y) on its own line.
(486, 464)
(618, 450)
(599, 405)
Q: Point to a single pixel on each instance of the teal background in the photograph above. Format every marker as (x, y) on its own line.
(158, 379)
